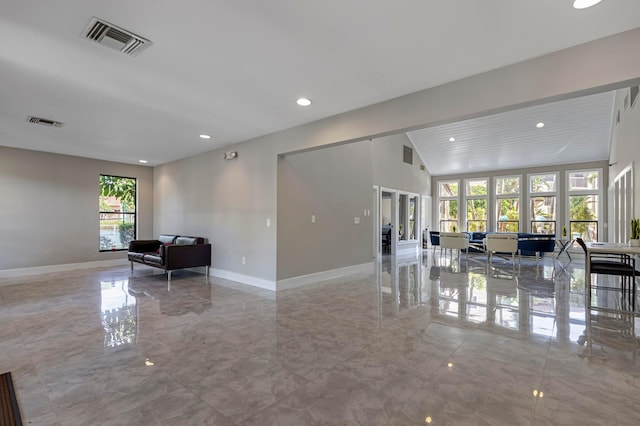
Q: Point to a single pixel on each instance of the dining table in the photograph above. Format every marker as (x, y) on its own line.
(564, 245)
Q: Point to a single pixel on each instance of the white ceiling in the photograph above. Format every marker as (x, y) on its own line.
(575, 131)
(233, 69)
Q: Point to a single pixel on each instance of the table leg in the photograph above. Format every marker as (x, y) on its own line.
(563, 248)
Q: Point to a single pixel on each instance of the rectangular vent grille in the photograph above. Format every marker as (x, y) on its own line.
(102, 32)
(44, 121)
(407, 155)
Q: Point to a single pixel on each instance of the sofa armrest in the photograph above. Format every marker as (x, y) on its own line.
(144, 246)
(180, 256)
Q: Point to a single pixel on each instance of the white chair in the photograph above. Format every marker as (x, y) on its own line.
(501, 243)
(454, 241)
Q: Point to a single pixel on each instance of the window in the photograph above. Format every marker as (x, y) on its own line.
(542, 203)
(508, 203)
(117, 211)
(584, 203)
(448, 200)
(476, 197)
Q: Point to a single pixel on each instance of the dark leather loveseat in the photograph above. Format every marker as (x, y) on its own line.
(171, 252)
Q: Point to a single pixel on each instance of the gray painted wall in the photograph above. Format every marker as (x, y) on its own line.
(391, 172)
(245, 196)
(49, 207)
(230, 201)
(227, 201)
(335, 185)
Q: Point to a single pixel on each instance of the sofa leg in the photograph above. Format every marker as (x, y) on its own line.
(168, 275)
(131, 268)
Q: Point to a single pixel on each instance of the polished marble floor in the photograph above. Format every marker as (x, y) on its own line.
(434, 340)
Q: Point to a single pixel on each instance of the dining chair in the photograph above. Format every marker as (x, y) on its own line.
(386, 241)
(434, 237)
(622, 265)
(503, 242)
(454, 241)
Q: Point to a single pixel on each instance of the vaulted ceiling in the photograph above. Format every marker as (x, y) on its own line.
(233, 70)
(570, 131)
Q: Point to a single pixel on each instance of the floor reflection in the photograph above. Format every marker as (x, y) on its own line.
(401, 283)
(412, 340)
(173, 298)
(610, 334)
(119, 313)
(536, 297)
(121, 300)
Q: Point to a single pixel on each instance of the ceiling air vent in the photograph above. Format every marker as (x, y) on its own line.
(44, 121)
(117, 38)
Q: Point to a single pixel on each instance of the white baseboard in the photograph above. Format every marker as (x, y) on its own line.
(244, 279)
(322, 276)
(9, 273)
(220, 273)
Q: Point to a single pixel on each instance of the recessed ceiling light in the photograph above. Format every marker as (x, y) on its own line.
(143, 161)
(452, 139)
(583, 4)
(540, 125)
(205, 137)
(303, 101)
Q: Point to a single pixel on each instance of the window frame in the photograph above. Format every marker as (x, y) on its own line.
(577, 192)
(133, 214)
(467, 198)
(448, 198)
(534, 194)
(497, 197)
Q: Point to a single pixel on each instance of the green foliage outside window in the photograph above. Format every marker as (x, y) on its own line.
(476, 187)
(448, 189)
(127, 231)
(582, 213)
(117, 207)
(124, 189)
(543, 183)
(448, 214)
(508, 214)
(508, 185)
(509, 208)
(477, 215)
(583, 207)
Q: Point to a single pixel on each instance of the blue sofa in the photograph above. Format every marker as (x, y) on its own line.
(528, 244)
